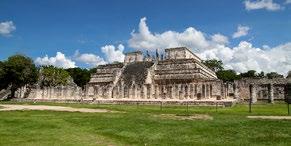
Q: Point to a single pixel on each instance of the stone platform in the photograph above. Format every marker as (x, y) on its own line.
(204, 102)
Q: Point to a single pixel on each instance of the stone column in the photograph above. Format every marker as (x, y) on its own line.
(121, 90)
(179, 91)
(152, 91)
(38, 93)
(206, 91)
(192, 91)
(188, 91)
(253, 96)
(157, 93)
(271, 93)
(211, 90)
(203, 91)
(235, 90)
(195, 91)
(130, 92)
(172, 91)
(145, 91)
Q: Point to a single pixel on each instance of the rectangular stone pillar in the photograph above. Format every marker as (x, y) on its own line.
(271, 93)
(145, 91)
(188, 93)
(178, 91)
(207, 91)
(203, 91)
(253, 93)
(157, 92)
(172, 91)
(121, 91)
(191, 91)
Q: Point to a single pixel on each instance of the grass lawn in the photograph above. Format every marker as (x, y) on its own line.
(144, 125)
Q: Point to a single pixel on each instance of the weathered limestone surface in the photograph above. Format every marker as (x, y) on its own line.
(261, 89)
(179, 76)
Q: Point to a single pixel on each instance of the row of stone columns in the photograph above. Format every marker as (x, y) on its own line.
(253, 93)
(173, 91)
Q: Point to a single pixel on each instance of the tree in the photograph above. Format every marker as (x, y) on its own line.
(249, 74)
(53, 76)
(273, 75)
(227, 75)
(213, 64)
(18, 71)
(261, 75)
(2, 75)
(289, 74)
(80, 76)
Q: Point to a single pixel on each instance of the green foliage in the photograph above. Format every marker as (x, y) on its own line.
(249, 74)
(261, 75)
(81, 76)
(16, 72)
(2, 75)
(273, 75)
(146, 125)
(213, 64)
(227, 75)
(289, 74)
(53, 76)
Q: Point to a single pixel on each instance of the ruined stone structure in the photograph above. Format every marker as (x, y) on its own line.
(261, 89)
(179, 76)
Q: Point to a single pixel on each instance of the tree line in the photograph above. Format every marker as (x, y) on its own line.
(228, 75)
(20, 70)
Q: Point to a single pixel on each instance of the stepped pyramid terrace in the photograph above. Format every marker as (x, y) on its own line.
(179, 76)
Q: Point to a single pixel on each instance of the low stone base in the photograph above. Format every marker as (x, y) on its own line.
(206, 102)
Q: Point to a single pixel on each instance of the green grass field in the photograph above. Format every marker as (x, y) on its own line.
(143, 125)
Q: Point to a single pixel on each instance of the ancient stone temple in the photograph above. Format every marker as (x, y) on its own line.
(179, 75)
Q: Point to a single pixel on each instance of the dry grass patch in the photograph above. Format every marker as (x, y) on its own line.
(11, 107)
(185, 116)
(270, 117)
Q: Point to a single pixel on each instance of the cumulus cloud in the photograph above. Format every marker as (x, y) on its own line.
(241, 31)
(262, 4)
(219, 38)
(245, 57)
(144, 39)
(240, 58)
(6, 28)
(89, 59)
(288, 2)
(60, 60)
(113, 53)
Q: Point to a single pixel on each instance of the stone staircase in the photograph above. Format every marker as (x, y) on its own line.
(118, 75)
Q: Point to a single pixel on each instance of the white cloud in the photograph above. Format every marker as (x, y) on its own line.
(241, 31)
(245, 57)
(262, 4)
(144, 39)
(219, 38)
(241, 58)
(6, 28)
(60, 60)
(113, 53)
(288, 2)
(89, 59)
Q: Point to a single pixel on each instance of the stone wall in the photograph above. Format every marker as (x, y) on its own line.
(261, 89)
(51, 93)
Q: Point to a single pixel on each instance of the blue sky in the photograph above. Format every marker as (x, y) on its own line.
(50, 26)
